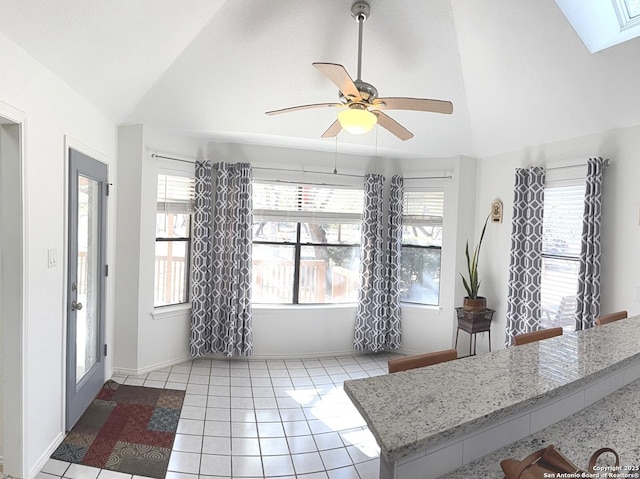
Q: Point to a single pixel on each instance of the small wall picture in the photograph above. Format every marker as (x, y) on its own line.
(496, 211)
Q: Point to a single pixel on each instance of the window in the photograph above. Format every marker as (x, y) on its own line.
(421, 246)
(561, 243)
(306, 243)
(603, 24)
(173, 240)
(633, 8)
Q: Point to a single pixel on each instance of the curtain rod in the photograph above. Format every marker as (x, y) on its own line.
(445, 177)
(335, 172)
(607, 162)
(155, 155)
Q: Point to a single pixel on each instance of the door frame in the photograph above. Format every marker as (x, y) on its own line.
(71, 144)
(14, 340)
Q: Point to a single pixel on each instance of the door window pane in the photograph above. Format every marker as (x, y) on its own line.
(88, 293)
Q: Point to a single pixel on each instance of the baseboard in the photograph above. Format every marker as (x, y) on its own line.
(311, 355)
(411, 352)
(149, 369)
(254, 357)
(45, 457)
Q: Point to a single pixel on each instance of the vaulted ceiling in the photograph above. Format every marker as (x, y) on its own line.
(516, 71)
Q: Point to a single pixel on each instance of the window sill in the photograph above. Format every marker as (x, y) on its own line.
(177, 311)
(420, 306)
(267, 306)
(305, 306)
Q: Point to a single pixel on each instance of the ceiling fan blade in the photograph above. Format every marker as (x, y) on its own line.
(393, 126)
(303, 107)
(417, 104)
(333, 130)
(338, 75)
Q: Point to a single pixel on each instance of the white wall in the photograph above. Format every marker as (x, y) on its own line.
(144, 340)
(314, 330)
(318, 331)
(279, 331)
(427, 328)
(127, 244)
(52, 112)
(621, 216)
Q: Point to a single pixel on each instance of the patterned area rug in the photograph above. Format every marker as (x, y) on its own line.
(127, 429)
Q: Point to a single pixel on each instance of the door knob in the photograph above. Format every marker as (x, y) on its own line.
(76, 306)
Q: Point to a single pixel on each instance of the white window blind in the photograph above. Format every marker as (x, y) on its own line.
(562, 222)
(423, 208)
(175, 194)
(307, 203)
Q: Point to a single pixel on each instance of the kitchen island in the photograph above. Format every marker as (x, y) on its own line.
(610, 422)
(431, 421)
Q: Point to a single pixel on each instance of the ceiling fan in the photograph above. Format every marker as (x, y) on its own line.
(363, 106)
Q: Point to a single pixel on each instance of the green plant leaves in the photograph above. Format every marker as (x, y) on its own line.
(473, 284)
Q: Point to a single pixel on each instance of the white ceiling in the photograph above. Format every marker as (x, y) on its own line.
(516, 71)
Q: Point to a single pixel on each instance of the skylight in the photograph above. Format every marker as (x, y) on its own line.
(628, 12)
(602, 24)
(633, 8)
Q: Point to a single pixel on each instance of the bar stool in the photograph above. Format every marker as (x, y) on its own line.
(421, 360)
(525, 338)
(611, 317)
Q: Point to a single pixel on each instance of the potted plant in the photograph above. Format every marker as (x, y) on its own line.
(473, 302)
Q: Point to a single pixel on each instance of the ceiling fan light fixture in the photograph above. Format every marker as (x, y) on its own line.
(357, 121)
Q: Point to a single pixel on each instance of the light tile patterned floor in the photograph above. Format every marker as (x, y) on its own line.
(261, 419)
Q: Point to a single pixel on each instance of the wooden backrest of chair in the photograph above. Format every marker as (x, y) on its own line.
(611, 317)
(537, 336)
(421, 360)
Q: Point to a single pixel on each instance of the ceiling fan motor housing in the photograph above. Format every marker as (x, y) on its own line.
(367, 91)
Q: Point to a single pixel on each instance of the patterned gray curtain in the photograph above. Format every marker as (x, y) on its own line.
(588, 298)
(525, 268)
(378, 313)
(394, 242)
(222, 234)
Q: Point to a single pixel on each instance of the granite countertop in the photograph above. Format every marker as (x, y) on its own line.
(421, 408)
(610, 422)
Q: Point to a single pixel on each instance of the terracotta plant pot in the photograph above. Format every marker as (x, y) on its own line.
(479, 304)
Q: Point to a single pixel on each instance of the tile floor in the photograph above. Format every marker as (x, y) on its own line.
(261, 419)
